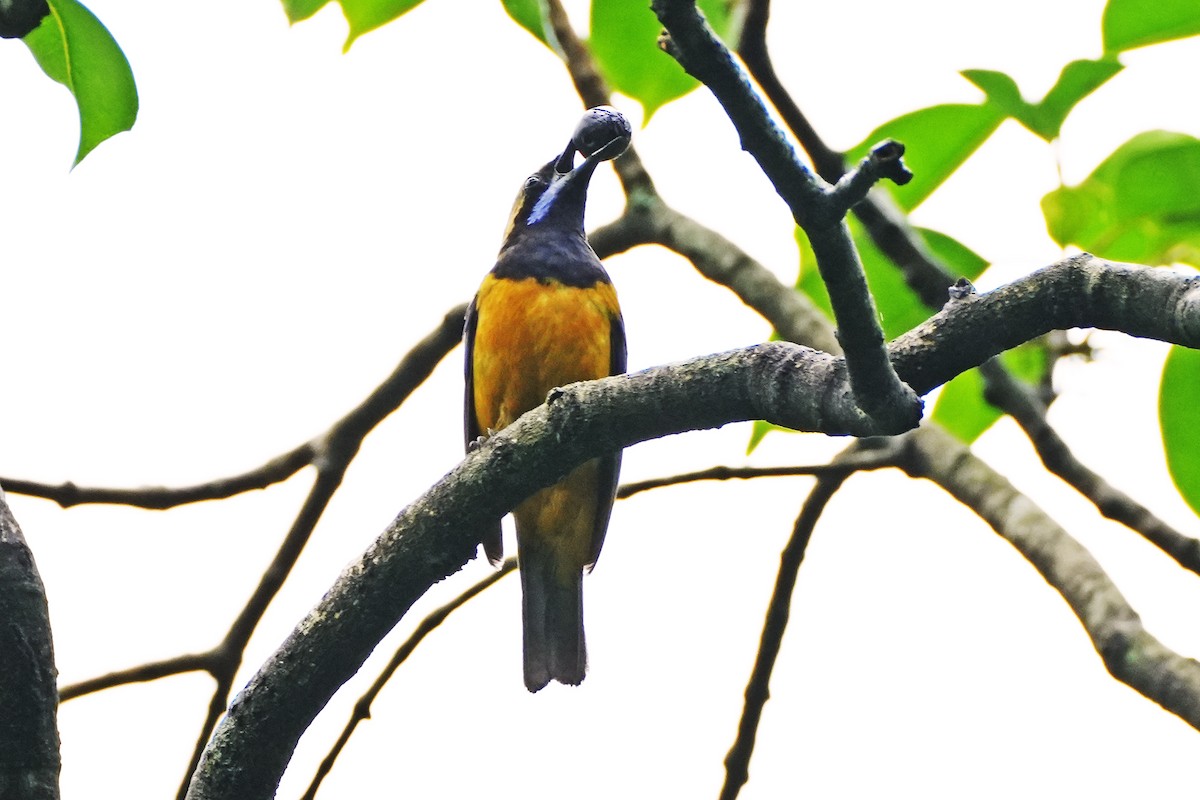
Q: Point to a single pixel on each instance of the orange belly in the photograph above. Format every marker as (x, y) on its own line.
(531, 337)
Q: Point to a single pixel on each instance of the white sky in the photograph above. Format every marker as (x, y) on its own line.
(282, 224)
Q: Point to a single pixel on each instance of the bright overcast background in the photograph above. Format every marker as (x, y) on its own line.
(285, 221)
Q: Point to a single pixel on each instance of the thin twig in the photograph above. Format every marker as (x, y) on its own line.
(737, 761)
(873, 452)
(160, 498)
(407, 376)
(227, 656)
(858, 462)
(338, 448)
(331, 454)
(1029, 412)
(179, 665)
(362, 709)
(354, 425)
(752, 49)
(866, 457)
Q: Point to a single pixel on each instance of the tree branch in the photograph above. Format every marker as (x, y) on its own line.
(928, 277)
(1030, 413)
(723, 262)
(160, 498)
(152, 671)
(354, 426)
(1077, 292)
(884, 161)
(29, 754)
(817, 208)
(594, 91)
(331, 454)
(752, 48)
(651, 221)
(784, 383)
(1130, 653)
(648, 220)
(362, 709)
(885, 223)
(859, 461)
(737, 761)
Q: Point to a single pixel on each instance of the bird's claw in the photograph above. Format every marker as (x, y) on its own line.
(478, 441)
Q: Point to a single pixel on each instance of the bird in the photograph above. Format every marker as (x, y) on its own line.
(547, 315)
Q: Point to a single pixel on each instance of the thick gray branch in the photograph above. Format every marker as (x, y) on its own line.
(817, 207)
(780, 382)
(29, 757)
(1078, 292)
(1129, 651)
(928, 277)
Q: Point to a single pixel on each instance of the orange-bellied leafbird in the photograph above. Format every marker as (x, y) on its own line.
(545, 316)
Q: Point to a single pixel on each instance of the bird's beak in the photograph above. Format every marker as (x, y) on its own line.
(570, 181)
(612, 149)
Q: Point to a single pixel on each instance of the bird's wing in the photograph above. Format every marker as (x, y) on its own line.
(610, 465)
(492, 538)
(471, 430)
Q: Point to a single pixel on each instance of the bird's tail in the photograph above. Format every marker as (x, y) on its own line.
(552, 612)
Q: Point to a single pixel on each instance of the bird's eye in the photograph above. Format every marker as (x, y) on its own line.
(532, 182)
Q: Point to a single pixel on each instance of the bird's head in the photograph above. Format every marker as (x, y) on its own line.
(555, 195)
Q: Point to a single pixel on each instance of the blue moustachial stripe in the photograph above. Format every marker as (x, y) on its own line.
(542, 206)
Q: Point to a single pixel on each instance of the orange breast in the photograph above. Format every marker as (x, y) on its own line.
(531, 337)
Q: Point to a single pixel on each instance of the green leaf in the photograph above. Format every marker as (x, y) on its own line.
(75, 49)
(961, 260)
(961, 408)
(937, 140)
(532, 16)
(1179, 418)
(367, 15)
(1077, 80)
(1001, 90)
(1135, 23)
(298, 10)
(624, 40)
(1140, 204)
(759, 432)
(1027, 362)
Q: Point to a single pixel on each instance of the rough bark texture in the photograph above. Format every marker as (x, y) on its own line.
(777, 381)
(29, 758)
